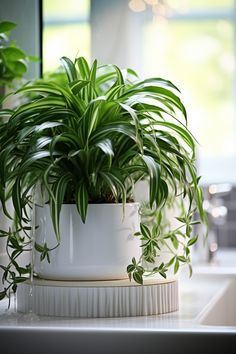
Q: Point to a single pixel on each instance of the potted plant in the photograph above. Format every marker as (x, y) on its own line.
(82, 148)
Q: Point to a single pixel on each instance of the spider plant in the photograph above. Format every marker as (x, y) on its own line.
(91, 141)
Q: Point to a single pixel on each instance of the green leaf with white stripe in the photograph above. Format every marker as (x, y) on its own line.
(82, 201)
(69, 68)
(154, 175)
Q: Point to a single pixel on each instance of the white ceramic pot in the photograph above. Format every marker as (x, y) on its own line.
(100, 249)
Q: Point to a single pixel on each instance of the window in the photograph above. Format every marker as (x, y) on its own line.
(194, 46)
(196, 50)
(66, 31)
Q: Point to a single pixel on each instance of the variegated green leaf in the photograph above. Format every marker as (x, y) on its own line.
(82, 201)
(69, 68)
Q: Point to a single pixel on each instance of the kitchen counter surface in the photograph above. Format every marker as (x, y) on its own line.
(194, 295)
(120, 335)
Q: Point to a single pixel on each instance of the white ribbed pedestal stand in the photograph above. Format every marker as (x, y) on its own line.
(95, 299)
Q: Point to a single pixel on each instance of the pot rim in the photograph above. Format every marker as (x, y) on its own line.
(95, 204)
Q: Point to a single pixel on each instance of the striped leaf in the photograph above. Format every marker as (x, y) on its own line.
(106, 146)
(16, 198)
(78, 85)
(59, 191)
(69, 68)
(115, 184)
(154, 175)
(82, 201)
(83, 68)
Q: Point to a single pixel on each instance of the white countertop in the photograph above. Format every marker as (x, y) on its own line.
(194, 295)
(168, 330)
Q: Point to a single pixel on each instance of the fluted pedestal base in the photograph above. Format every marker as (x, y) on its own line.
(118, 298)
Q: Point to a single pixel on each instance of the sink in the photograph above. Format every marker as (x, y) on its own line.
(223, 264)
(221, 308)
(221, 311)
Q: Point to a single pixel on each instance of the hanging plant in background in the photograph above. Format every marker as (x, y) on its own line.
(13, 60)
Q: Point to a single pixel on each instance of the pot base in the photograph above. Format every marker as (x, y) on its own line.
(118, 298)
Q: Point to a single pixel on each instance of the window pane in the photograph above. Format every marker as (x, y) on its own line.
(66, 9)
(66, 31)
(65, 40)
(199, 57)
(186, 5)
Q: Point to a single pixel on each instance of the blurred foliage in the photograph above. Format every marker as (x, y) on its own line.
(13, 60)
